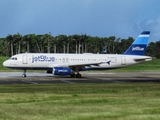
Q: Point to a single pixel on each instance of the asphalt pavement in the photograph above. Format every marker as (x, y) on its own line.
(87, 77)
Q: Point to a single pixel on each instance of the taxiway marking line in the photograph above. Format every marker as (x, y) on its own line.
(29, 82)
(66, 81)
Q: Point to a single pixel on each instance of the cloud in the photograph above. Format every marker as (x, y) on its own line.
(152, 25)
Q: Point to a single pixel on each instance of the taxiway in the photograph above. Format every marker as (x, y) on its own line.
(87, 77)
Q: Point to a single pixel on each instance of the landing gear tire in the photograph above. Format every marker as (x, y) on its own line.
(78, 76)
(72, 75)
(23, 75)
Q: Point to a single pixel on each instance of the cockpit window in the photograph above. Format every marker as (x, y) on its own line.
(13, 58)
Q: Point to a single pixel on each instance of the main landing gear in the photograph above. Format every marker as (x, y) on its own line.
(78, 75)
(24, 74)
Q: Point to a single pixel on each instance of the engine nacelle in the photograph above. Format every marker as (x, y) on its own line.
(61, 71)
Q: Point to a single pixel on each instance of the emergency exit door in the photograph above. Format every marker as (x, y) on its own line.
(24, 59)
(123, 60)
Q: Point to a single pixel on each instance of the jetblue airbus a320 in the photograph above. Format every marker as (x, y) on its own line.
(71, 64)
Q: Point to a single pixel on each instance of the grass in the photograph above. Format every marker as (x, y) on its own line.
(113, 101)
(107, 101)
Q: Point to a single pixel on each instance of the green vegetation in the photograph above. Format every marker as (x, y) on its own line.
(110, 101)
(2, 59)
(46, 43)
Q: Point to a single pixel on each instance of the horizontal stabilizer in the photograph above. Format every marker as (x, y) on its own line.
(146, 58)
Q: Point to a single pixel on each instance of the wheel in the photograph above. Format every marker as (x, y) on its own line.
(23, 75)
(78, 75)
(72, 75)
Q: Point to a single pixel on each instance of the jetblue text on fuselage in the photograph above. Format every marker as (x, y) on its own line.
(42, 58)
(137, 48)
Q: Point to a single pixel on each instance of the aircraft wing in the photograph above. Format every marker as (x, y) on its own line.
(84, 64)
(77, 64)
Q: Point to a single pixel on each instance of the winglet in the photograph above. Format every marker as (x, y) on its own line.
(139, 46)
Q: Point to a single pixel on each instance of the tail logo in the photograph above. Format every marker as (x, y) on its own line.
(137, 48)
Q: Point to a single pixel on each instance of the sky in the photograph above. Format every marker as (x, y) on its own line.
(102, 18)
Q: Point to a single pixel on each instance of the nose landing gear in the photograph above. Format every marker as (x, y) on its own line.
(24, 74)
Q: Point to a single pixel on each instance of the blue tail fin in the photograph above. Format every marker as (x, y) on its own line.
(138, 47)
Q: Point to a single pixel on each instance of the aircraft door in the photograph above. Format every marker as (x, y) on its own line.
(123, 60)
(24, 59)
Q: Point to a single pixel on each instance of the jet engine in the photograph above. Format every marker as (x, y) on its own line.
(60, 71)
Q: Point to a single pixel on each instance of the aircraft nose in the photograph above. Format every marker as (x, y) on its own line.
(5, 63)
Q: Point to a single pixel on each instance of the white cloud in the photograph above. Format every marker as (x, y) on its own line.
(152, 25)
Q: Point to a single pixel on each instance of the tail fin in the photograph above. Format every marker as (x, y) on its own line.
(138, 47)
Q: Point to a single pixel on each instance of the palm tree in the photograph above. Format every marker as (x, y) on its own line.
(27, 40)
(47, 39)
(3, 46)
(55, 42)
(70, 44)
(88, 44)
(9, 39)
(125, 43)
(112, 40)
(83, 38)
(55, 45)
(75, 39)
(49, 42)
(62, 40)
(17, 38)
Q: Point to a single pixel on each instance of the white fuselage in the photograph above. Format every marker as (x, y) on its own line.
(43, 61)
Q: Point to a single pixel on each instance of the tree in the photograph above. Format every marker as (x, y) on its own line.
(27, 39)
(17, 38)
(3, 46)
(75, 39)
(153, 49)
(125, 43)
(47, 39)
(71, 44)
(9, 40)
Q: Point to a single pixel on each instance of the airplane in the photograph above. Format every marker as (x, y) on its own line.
(71, 64)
